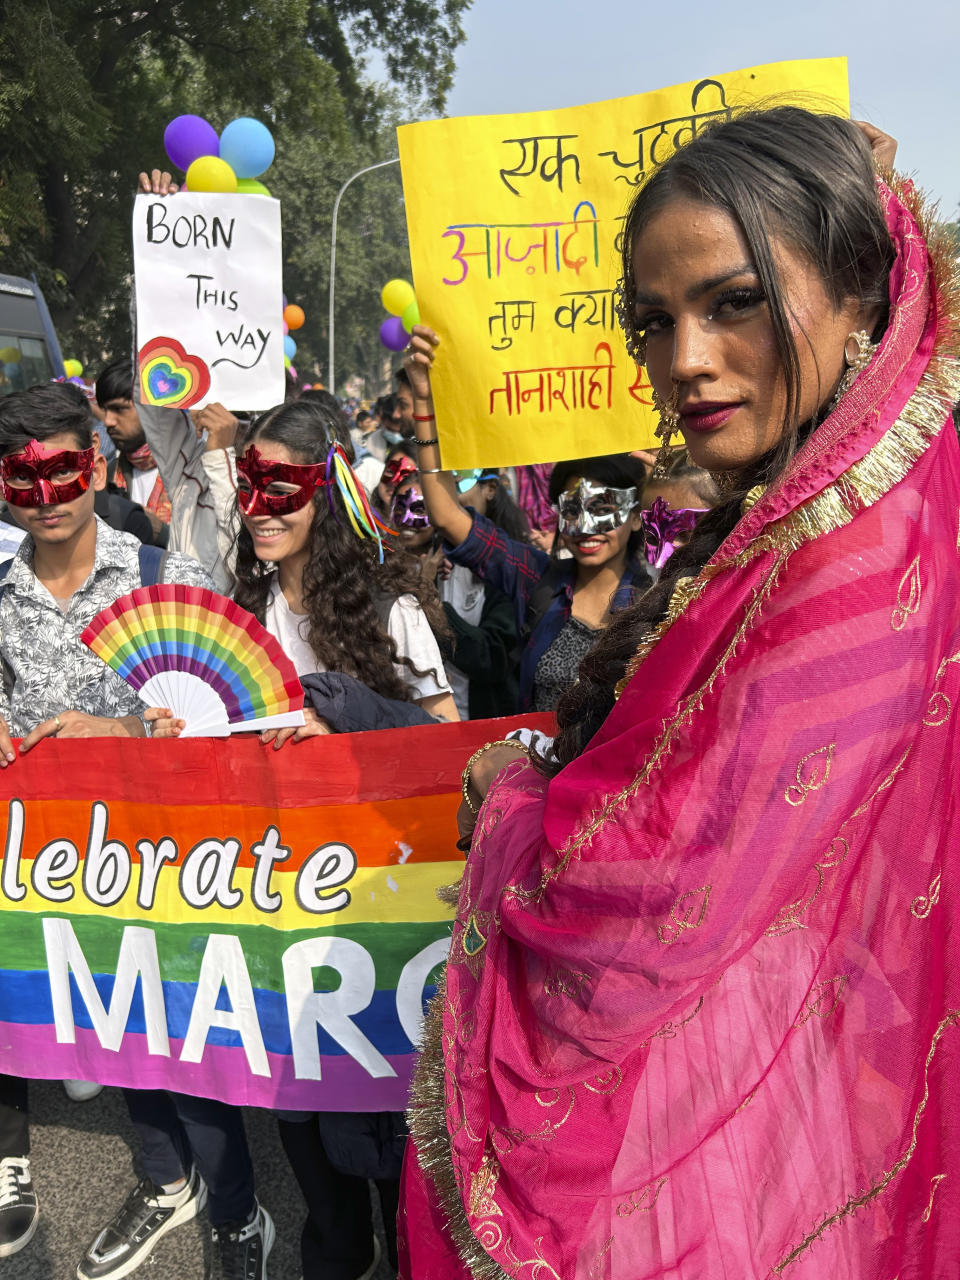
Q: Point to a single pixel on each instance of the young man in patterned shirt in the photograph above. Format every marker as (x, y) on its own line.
(69, 567)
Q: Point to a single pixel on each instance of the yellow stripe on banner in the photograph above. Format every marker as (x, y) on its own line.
(388, 895)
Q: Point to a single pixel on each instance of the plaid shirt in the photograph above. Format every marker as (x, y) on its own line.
(517, 569)
(47, 669)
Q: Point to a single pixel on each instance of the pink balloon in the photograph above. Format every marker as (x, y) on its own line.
(286, 328)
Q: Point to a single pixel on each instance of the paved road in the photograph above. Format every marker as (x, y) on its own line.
(82, 1168)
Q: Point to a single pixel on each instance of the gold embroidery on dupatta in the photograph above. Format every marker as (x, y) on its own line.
(858, 1202)
(691, 904)
(565, 982)
(505, 1138)
(641, 1201)
(788, 917)
(483, 1184)
(605, 1082)
(909, 593)
(934, 1183)
(822, 999)
(940, 707)
(924, 904)
(669, 1029)
(594, 1271)
(813, 773)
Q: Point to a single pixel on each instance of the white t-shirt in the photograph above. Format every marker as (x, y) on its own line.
(406, 624)
(141, 485)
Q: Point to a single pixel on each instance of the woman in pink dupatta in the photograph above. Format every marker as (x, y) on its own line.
(701, 1018)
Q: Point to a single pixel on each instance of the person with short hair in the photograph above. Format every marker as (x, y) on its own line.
(69, 567)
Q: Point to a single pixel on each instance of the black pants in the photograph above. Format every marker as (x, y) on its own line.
(178, 1131)
(14, 1125)
(337, 1238)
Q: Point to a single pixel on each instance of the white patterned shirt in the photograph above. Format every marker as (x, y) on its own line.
(47, 669)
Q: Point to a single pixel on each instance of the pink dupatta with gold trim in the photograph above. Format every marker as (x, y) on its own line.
(702, 1010)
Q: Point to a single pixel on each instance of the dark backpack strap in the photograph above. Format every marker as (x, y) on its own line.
(153, 562)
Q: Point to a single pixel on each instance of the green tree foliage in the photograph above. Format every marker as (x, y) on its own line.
(86, 88)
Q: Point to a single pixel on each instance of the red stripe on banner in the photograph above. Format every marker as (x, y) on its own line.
(349, 768)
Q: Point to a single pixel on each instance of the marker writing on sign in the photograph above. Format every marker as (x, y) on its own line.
(187, 232)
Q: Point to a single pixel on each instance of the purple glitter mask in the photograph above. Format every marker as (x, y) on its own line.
(594, 508)
(662, 525)
(409, 511)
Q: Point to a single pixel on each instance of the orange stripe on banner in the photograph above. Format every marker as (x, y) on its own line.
(408, 830)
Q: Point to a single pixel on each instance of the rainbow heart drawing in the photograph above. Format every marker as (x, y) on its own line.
(169, 376)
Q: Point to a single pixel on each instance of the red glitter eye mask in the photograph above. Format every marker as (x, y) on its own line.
(27, 477)
(255, 474)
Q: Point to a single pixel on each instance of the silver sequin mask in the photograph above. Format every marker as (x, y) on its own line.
(593, 508)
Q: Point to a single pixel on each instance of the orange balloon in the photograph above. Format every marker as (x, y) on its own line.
(294, 316)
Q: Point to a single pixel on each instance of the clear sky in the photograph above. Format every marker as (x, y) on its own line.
(904, 60)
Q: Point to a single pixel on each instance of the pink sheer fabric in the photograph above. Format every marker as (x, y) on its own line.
(702, 1011)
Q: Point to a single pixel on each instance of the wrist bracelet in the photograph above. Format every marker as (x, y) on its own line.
(422, 443)
(465, 776)
(430, 471)
(423, 417)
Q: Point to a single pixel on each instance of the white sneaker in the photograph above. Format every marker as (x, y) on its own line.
(81, 1090)
(145, 1217)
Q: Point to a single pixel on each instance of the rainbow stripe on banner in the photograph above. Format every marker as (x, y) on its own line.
(223, 919)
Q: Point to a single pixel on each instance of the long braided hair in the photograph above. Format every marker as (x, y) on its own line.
(793, 173)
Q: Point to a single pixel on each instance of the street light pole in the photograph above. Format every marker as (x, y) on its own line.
(333, 256)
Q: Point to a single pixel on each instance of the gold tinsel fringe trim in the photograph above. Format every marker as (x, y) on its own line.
(427, 1118)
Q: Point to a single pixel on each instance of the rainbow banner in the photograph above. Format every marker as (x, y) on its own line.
(223, 919)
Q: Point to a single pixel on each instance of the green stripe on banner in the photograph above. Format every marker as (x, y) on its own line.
(180, 946)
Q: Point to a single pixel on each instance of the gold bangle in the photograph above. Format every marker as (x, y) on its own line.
(465, 776)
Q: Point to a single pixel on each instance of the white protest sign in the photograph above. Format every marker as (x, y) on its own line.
(209, 272)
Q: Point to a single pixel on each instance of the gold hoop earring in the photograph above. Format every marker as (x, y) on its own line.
(669, 423)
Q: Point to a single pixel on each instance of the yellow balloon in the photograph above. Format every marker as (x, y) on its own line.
(10, 355)
(397, 296)
(73, 368)
(210, 173)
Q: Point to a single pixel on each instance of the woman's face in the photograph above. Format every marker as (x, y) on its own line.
(597, 549)
(277, 537)
(407, 513)
(709, 332)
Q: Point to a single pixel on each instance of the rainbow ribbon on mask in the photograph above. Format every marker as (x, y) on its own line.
(363, 519)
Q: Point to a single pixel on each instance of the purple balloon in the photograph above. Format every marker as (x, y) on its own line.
(393, 335)
(187, 138)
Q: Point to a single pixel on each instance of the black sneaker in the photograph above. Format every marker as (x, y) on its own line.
(243, 1248)
(147, 1215)
(19, 1210)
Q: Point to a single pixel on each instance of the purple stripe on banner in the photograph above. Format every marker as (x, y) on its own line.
(34, 1052)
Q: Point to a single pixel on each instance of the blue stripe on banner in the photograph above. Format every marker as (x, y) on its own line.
(23, 991)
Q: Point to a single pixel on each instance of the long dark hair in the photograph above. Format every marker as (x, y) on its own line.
(503, 511)
(343, 583)
(808, 179)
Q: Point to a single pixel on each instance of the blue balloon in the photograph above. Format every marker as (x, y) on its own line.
(247, 146)
(289, 347)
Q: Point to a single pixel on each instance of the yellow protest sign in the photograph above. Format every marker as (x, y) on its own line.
(514, 225)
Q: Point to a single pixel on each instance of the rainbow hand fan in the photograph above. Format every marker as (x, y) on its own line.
(201, 655)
